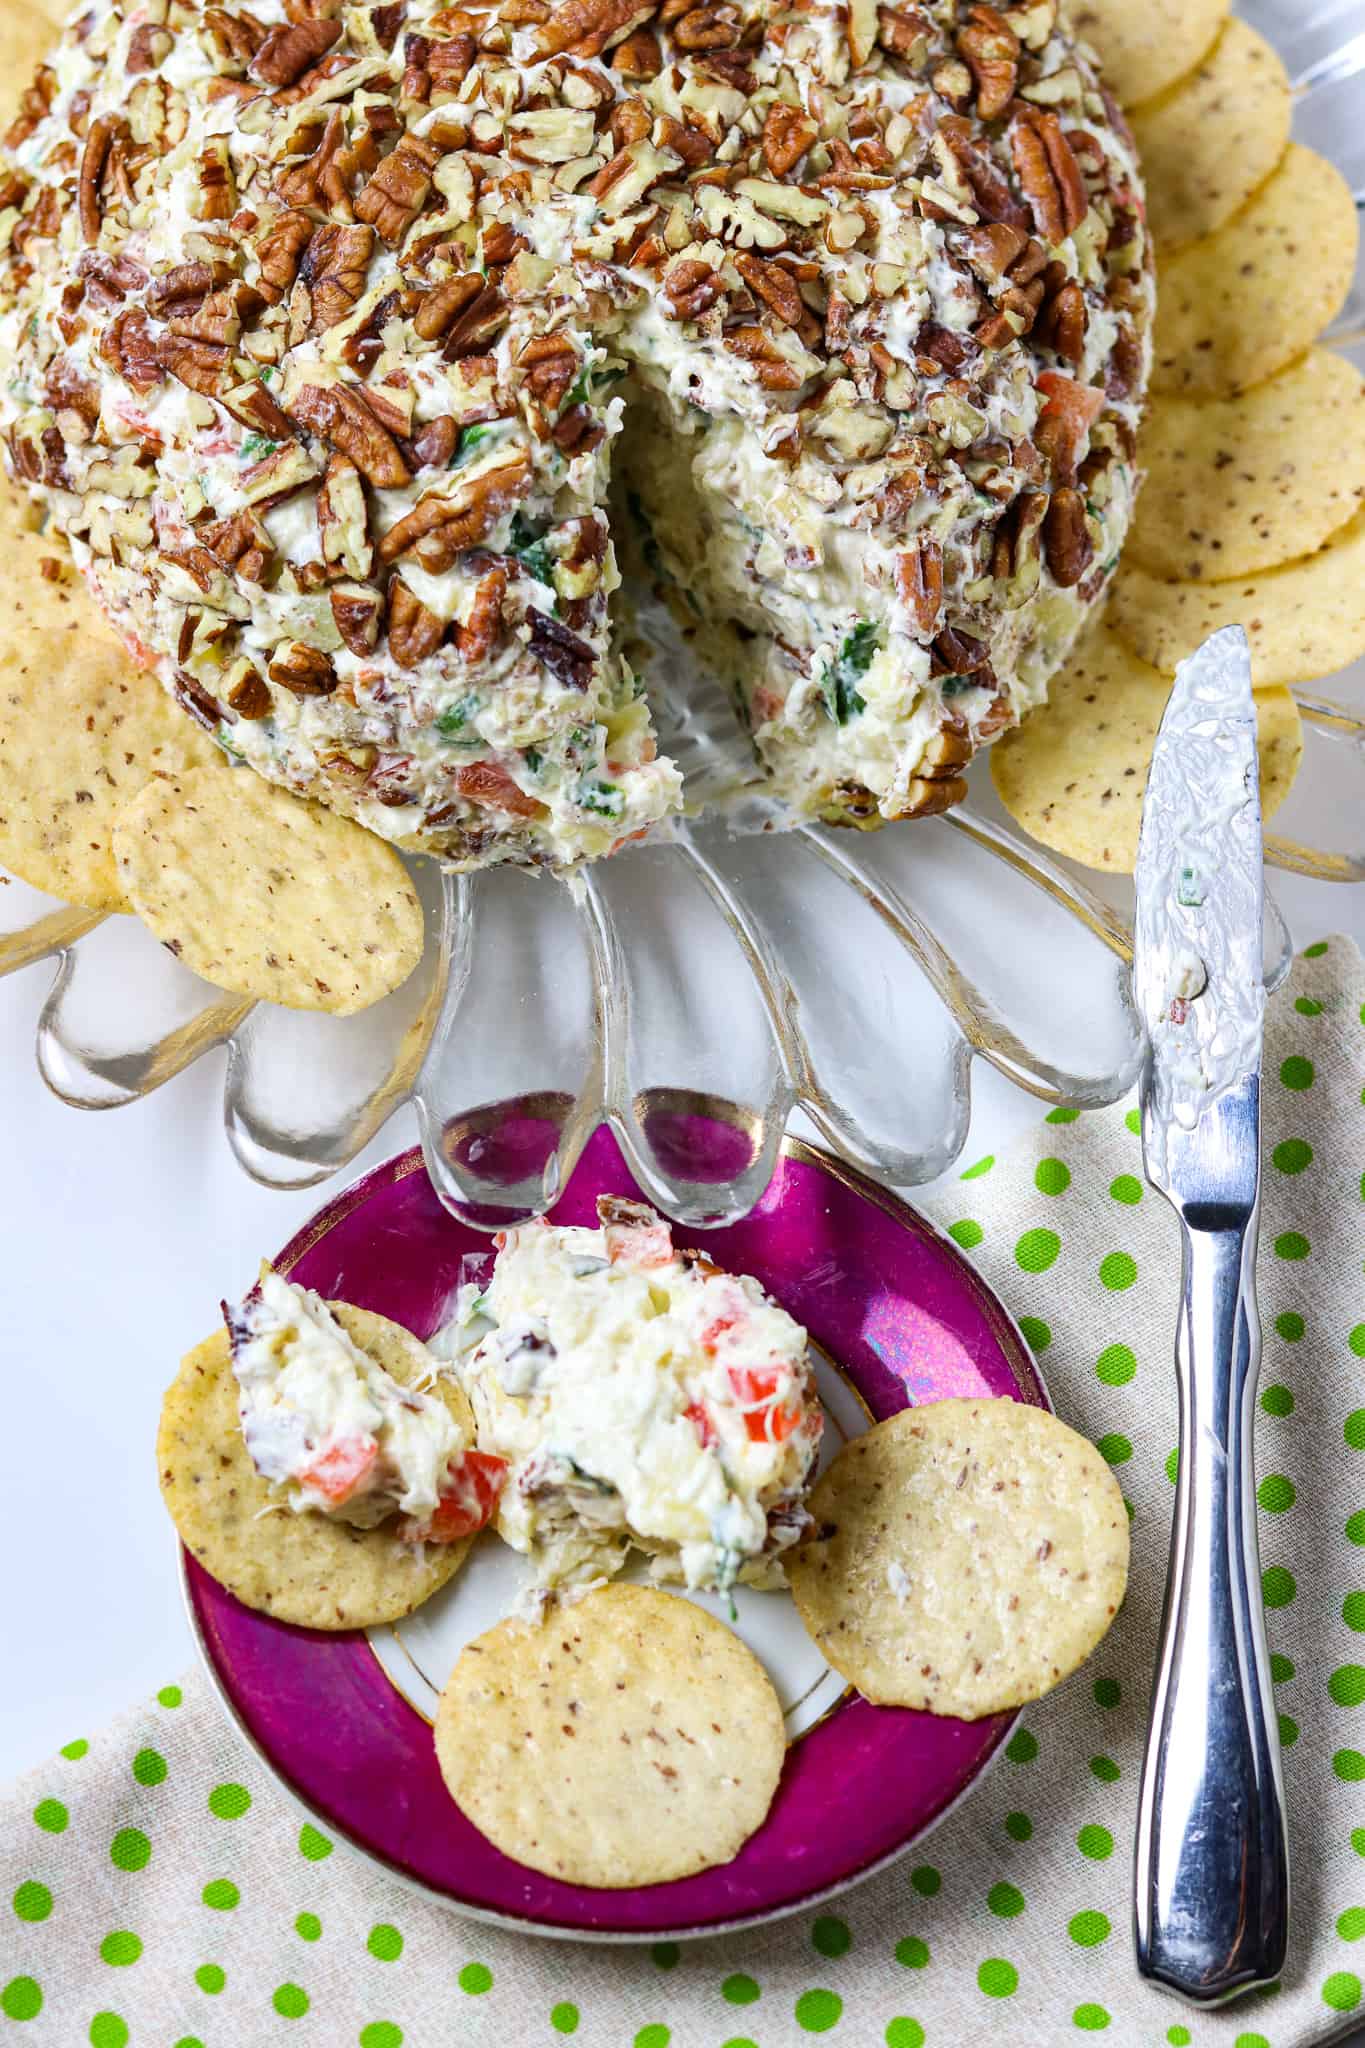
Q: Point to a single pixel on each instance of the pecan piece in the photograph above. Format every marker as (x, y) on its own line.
(767, 361)
(788, 133)
(98, 143)
(714, 27)
(344, 520)
(189, 284)
(959, 653)
(194, 698)
(1050, 176)
(992, 248)
(1061, 323)
(288, 50)
(488, 782)
(396, 193)
(219, 317)
(774, 284)
(906, 32)
(318, 180)
(35, 104)
(129, 347)
(434, 443)
(148, 48)
(1016, 555)
(551, 364)
(303, 670)
(240, 543)
(247, 692)
(693, 145)
(235, 39)
(991, 51)
(991, 194)
(338, 414)
(333, 269)
(479, 635)
(252, 405)
(202, 366)
(439, 528)
(216, 198)
(690, 288)
(919, 583)
(638, 57)
(414, 632)
(568, 658)
(358, 613)
(1065, 538)
(444, 303)
(586, 26)
(279, 252)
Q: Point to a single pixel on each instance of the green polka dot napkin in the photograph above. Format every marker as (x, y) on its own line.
(159, 1892)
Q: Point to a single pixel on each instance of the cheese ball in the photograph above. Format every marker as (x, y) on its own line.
(324, 328)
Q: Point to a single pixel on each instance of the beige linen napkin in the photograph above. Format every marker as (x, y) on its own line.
(159, 1891)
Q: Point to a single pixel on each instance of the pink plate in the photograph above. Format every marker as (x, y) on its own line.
(906, 1319)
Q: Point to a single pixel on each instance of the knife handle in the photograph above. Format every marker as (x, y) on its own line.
(1211, 1895)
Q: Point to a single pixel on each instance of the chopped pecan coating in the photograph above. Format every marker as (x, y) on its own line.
(900, 251)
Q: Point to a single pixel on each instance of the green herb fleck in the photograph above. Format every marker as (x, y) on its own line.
(649, 547)
(838, 684)
(453, 720)
(533, 759)
(257, 446)
(605, 798)
(531, 549)
(470, 437)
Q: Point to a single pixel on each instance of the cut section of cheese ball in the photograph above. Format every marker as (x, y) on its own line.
(643, 1399)
(318, 334)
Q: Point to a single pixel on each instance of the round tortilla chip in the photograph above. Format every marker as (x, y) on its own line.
(1303, 621)
(267, 894)
(82, 728)
(1237, 306)
(972, 1554)
(1240, 484)
(1145, 45)
(1075, 772)
(1207, 143)
(301, 1568)
(628, 1738)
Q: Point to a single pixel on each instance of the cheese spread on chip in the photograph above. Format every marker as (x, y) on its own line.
(333, 1431)
(643, 1399)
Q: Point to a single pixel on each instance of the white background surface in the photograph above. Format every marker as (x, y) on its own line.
(121, 1231)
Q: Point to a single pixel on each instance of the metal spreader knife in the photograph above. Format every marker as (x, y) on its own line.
(1211, 1897)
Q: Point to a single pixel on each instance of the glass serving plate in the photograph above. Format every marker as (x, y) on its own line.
(692, 992)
